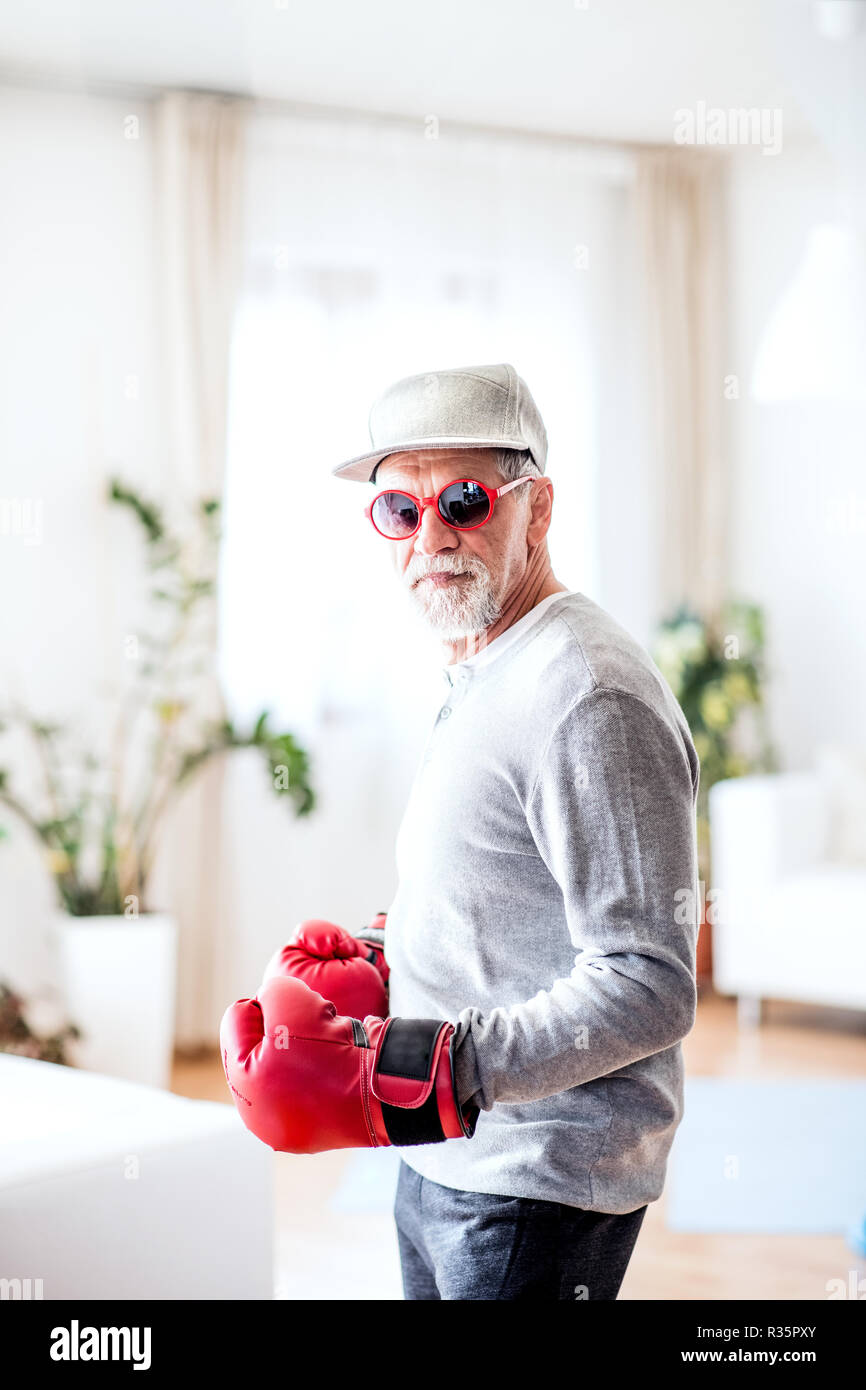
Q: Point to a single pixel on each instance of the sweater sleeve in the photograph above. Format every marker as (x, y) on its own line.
(612, 813)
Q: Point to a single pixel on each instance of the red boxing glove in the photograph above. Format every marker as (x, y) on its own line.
(373, 936)
(306, 1079)
(350, 973)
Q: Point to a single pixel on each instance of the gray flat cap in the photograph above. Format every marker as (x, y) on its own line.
(459, 408)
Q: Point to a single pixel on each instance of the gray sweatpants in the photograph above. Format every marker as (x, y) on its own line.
(470, 1245)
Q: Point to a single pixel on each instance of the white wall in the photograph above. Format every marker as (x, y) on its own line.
(79, 400)
(797, 472)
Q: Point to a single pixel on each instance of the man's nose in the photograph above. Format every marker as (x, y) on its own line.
(433, 535)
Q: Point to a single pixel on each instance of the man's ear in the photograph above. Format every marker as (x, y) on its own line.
(541, 507)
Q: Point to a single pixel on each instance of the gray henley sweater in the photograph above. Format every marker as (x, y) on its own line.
(545, 860)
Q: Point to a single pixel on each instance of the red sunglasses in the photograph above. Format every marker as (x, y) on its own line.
(462, 504)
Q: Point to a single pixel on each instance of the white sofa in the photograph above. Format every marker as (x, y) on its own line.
(112, 1190)
(789, 912)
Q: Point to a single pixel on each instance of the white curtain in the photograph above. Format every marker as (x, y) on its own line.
(678, 199)
(373, 251)
(199, 149)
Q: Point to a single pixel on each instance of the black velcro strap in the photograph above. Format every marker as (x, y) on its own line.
(359, 1033)
(408, 1047)
(421, 1126)
(408, 1051)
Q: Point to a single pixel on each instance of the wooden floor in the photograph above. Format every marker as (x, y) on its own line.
(319, 1251)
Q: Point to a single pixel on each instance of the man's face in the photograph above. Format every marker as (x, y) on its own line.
(458, 579)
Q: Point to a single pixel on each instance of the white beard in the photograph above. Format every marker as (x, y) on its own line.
(462, 609)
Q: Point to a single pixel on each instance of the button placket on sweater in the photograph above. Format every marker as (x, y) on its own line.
(458, 686)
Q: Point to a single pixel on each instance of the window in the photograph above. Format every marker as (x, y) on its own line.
(372, 253)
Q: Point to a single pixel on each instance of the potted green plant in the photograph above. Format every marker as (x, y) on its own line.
(715, 665)
(98, 812)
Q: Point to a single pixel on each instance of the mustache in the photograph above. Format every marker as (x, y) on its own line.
(463, 565)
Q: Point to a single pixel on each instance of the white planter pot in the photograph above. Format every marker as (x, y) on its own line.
(119, 977)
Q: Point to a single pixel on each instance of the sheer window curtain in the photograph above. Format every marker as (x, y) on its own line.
(679, 202)
(370, 252)
(198, 184)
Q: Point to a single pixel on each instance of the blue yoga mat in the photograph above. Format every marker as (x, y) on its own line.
(770, 1157)
(368, 1182)
(763, 1157)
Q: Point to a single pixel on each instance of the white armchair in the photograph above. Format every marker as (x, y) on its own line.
(789, 916)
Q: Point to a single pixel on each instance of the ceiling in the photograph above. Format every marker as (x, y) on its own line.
(611, 69)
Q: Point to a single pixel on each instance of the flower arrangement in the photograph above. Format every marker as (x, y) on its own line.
(716, 669)
(98, 814)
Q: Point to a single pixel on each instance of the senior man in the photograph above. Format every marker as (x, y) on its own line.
(547, 838)
(544, 859)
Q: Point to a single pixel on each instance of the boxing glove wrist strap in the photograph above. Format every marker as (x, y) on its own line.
(412, 1052)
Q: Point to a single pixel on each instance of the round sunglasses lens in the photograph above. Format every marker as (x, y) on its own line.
(395, 514)
(464, 504)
